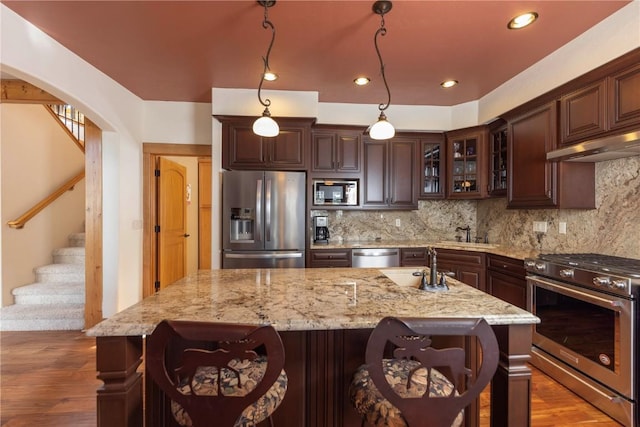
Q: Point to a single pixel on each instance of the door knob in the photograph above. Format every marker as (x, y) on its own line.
(186, 235)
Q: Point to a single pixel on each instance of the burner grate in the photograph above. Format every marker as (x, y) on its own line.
(600, 262)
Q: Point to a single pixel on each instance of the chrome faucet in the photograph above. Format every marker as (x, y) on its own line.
(468, 230)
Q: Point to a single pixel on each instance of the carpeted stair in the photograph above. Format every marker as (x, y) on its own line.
(55, 301)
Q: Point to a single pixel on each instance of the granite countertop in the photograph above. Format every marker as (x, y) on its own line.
(490, 248)
(307, 299)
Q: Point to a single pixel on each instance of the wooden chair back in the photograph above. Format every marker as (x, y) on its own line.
(411, 338)
(206, 344)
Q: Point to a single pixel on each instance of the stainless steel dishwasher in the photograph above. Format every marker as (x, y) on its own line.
(375, 257)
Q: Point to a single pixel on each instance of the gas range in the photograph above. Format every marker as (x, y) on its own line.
(589, 324)
(605, 273)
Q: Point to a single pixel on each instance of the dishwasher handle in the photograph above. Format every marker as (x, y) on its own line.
(375, 252)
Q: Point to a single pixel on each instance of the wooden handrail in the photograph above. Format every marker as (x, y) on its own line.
(22, 220)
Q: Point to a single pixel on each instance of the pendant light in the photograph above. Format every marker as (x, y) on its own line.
(382, 129)
(265, 125)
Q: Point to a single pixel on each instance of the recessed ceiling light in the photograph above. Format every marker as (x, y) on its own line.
(448, 83)
(522, 20)
(269, 76)
(361, 81)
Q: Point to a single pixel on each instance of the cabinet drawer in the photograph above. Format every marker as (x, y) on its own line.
(461, 257)
(413, 257)
(330, 258)
(506, 265)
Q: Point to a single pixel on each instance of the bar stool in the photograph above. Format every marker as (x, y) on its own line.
(390, 389)
(218, 374)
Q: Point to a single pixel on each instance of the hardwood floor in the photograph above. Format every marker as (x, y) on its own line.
(49, 379)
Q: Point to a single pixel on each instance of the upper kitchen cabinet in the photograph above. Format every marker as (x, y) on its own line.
(467, 163)
(605, 102)
(498, 159)
(624, 103)
(244, 150)
(390, 173)
(583, 113)
(336, 150)
(433, 168)
(535, 182)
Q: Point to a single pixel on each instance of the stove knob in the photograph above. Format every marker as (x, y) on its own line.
(619, 284)
(529, 263)
(540, 266)
(566, 273)
(601, 281)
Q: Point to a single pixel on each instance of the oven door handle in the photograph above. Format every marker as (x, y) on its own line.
(614, 303)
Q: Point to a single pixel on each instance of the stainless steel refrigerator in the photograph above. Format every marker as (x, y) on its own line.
(263, 219)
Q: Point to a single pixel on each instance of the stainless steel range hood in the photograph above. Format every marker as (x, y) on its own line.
(597, 150)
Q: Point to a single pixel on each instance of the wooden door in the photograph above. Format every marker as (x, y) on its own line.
(322, 152)
(348, 151)
(172, 221)
(532, 179)
(204, 214)
(374, 192)
(402, 173)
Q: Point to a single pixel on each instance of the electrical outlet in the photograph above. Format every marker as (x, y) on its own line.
(540, 226)
(562, 228)
(397, 222)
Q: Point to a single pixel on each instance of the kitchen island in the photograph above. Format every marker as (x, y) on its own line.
(324, 317)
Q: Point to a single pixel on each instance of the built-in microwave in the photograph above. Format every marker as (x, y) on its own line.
(335, 192)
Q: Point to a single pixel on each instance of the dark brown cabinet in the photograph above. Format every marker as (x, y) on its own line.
(535, 182)
(604, 107)
(466, 266)
(467, 163)
(242, 149)
(323, 258)
(413, 257)
(624, 98)
(506, 280)
(498, 160)
(390, 174)
(583, 113)
(433, 168)
(335, 150)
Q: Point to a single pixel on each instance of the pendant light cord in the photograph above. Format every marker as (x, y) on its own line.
(382, 31)
(266, 24)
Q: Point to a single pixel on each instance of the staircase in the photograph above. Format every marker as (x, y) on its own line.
(55, 301)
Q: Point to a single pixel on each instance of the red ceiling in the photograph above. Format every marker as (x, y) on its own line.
(179, 50)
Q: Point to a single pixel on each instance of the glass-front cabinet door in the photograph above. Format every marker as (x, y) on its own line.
(433, 167)
(466, 157)
(498, 161)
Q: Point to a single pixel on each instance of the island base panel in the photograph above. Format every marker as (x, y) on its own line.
(319, 365)
(511, 384)
(119, 400)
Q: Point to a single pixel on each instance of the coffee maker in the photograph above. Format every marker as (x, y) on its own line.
(320, 229)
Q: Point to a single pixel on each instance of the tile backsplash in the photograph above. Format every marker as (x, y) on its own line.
(613, 228)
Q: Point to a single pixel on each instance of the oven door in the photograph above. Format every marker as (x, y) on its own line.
(588, 330)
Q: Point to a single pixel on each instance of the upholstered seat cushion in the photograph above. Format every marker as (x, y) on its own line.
(205, 383)
(378, 411)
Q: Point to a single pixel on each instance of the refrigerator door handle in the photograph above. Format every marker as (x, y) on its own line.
(258, 227)
(268, 256)
(267, 211)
